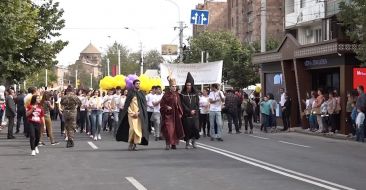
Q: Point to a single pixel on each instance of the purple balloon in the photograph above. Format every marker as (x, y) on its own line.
(129, 84)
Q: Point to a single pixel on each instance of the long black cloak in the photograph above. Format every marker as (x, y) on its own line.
(124, 126)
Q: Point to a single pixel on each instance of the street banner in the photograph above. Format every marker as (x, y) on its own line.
(203, 73)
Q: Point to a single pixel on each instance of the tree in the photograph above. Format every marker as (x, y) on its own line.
(39, 79)
(271, 44)
(152, 59)
(353, 17)
(128, 61)
(237, 69)
(26, 34)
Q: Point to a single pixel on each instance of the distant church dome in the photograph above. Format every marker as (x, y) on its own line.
(90, 49)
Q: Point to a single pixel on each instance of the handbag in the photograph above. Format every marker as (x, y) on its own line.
(316, 111)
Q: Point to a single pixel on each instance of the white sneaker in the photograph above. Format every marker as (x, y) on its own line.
(36, 149)
(99, 137)
(33, 153)
(66, 138)
(95, 138)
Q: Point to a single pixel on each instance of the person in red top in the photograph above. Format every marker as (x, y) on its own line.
(35, 117)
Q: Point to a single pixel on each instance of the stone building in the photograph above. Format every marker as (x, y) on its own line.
(218, 17)
(91, 61)
(245, 19)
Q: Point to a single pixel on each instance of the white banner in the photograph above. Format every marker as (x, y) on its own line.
(203, 73)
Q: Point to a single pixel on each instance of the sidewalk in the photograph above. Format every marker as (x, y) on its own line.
(304, 131)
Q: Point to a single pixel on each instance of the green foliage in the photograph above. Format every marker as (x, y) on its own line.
(271, 44)
(26, 34)
(152, 60)
(130, 61)
(39, 79)
(237, 69)
(353, 17)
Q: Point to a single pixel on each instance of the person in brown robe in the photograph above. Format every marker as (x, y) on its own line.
(171, 114)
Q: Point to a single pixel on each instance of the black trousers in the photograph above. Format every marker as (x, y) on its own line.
(83, 117)
(34, 131)
(240, 112)
(232, 117)
(21, 116)
(149, 114)
(204, 123)
(10, 126)
(286, 121)
(248, 119)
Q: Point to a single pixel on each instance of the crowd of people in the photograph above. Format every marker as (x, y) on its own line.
(322, 109)
(171, 115)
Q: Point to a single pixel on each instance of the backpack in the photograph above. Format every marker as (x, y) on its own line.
(249, 109)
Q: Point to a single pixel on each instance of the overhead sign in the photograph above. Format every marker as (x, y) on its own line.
(203, 73)
(199, 17)
(359, 77)
(169, 49)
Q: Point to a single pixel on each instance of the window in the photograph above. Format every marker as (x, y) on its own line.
(318, 35)
(303, 3)
(289, 6)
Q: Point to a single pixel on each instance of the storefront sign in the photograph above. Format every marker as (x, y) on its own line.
(203, 73)
(315, 62)
(359, 77)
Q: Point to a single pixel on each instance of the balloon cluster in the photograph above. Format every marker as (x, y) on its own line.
(146, 82)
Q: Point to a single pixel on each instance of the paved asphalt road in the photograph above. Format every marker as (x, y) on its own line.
(283, 161)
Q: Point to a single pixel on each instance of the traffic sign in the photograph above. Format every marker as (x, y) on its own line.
(199, 17)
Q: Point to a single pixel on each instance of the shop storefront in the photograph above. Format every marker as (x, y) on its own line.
(299, 69)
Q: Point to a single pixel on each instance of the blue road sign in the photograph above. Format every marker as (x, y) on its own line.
(199, 17)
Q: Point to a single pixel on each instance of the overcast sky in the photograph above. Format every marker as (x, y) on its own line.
(94, 20)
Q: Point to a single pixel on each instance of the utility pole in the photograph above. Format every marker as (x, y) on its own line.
(142, 59)
(76, 78)
(119, 61)
(263, 25)
(46, 77)
(181, 28)
(91, 80)
(108, 66)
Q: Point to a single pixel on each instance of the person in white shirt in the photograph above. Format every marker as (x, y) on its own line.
(150, 106)
(115, 106)
(95, 105)
(156, 116)
(83, 114)
(216, 98)
(204, 113)
(107, 100)
(360, 128)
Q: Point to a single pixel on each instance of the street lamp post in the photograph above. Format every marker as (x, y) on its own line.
(141, 49)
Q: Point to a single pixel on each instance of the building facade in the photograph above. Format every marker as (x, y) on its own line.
(245, 19)
(91, 60)
(315, 54)
(218, 17)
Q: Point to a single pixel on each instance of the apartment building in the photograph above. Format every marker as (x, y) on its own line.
(218, 17)
(245, 19)
(314, 54)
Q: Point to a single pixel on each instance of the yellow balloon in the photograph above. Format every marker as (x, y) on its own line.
(120, 81)
(257, 89)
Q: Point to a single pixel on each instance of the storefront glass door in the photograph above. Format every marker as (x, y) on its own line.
(327, 79)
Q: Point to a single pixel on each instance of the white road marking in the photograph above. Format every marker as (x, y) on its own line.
(135, 183)
(92, 145)
(294, 144)
(259, 137)
(276, 169)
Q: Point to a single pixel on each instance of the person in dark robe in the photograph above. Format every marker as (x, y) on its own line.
(133, 126)
(190, 104)
(171, 114)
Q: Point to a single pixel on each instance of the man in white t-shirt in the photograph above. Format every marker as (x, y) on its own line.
(115, 106)
(216, 99)
(150, 106)
(156, 116)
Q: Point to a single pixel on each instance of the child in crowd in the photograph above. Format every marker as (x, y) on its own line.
(360, 125)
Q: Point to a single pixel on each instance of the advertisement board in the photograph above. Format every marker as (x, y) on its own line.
(359, 77)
